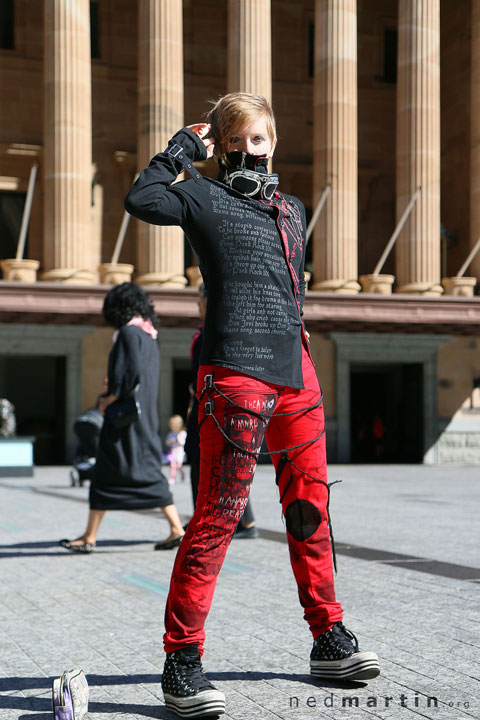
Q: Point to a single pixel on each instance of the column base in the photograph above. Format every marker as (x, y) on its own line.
(461, 286)
(115, 273)
(420, 288)
(19, 270)
(379, 284)
(163, 279)
(70, 276)
(340, 286)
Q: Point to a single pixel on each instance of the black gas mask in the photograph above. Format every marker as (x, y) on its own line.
(248, 174)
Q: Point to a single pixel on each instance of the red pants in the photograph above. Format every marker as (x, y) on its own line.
(226, 474)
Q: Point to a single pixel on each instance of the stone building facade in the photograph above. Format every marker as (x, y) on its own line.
(377, 111)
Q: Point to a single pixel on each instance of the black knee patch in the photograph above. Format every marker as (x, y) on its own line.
(303, 519)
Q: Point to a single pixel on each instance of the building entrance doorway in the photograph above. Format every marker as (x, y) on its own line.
(386, 413)
(36, 387)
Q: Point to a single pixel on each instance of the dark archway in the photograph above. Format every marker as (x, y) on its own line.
(36, 387)
(386, 413)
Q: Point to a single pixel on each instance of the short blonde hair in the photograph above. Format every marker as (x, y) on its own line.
(235, 111)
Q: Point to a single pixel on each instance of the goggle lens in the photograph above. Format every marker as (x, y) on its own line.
(269, 190)
(244, 184)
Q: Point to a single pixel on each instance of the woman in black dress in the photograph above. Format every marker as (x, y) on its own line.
(128, 474)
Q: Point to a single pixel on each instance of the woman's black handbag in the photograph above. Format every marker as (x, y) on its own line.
(123, 413)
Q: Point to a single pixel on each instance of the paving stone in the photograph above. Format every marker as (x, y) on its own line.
(104, 612)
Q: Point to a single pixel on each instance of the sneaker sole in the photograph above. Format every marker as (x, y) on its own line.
(359, 666)
(210, 703)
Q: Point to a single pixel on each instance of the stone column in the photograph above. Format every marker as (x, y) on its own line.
(69, 254)
(474, 268)
(418, 146)
(249, 47)
(335, 145)
(160, 114)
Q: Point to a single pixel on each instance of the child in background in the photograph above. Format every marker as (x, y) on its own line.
(176, 444)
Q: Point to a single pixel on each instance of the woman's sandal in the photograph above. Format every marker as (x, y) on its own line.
(169, 544)
(85, 548)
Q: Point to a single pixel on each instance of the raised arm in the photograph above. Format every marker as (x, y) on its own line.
(152, 197)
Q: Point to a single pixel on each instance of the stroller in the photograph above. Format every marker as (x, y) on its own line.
(87, 429)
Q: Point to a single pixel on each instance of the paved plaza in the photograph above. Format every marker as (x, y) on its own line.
(408, 576)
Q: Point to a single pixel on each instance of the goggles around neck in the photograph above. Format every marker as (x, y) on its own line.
(251, 183)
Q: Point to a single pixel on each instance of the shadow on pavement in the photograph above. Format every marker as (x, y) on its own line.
(294, 677)
(41, 708)
(150, 711)
(18, 549)
(28, 683)
(54, 543)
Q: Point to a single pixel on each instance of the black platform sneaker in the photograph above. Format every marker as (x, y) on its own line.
(335, 654)
(186, 690)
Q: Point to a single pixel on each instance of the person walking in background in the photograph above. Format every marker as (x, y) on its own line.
(128, 474)
(256, 380)
(246, 528)
(176, 447)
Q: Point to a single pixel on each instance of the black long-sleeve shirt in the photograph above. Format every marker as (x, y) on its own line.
(251, 254)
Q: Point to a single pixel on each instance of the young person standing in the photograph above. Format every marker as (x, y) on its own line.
(256, 379)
